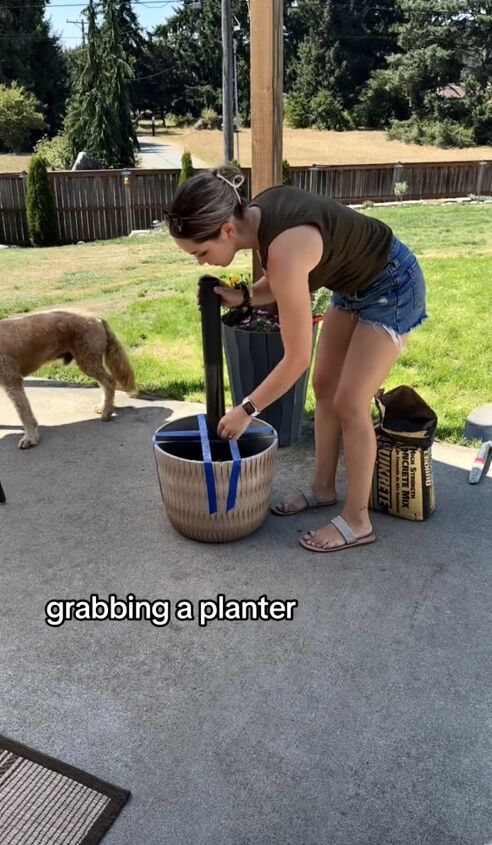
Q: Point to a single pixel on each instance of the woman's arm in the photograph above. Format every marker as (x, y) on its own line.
(261, 293)
(292, 256)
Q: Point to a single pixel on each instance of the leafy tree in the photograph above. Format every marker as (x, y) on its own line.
(454, 45)
(182, 68)
(20, 115)
(32, 56)
(40, 204)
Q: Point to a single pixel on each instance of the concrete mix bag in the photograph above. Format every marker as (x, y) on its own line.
(402, 483)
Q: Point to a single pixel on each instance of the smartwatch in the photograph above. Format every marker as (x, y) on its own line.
(249, 407)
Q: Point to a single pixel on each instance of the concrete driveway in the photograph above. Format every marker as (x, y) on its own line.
(156, 154)
(364, 721)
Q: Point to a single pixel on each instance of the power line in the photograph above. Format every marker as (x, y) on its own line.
(152, 4)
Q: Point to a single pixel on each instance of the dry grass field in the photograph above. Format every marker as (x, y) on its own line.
(14, 164)
(301, 147)
(311, 146)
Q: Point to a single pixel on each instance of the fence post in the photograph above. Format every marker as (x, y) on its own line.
(314, 178)
(480, 174)
(126, 174)
(397, 171)
(24, 225)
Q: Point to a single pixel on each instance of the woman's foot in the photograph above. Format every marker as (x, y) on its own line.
(339, 534)
(311, 497)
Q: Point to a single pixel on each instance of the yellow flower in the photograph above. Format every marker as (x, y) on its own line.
(232, 280)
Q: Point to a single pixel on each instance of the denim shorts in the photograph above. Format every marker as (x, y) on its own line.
(395, 300)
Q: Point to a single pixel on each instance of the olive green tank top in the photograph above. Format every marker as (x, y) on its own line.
(355, 247)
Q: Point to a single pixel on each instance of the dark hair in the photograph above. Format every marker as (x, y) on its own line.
(204, 203)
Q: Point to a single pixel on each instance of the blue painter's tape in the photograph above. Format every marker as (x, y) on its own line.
(235, 473)
(207, 464)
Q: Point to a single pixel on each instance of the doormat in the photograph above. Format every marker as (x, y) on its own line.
(46, 802)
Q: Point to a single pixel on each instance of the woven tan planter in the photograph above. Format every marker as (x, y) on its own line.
(184, 487)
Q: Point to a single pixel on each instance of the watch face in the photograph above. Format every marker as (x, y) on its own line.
(249, 408)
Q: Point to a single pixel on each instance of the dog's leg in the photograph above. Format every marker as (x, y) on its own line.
(93, 368)
(15, 392)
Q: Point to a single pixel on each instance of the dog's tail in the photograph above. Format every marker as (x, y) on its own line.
(117, 362)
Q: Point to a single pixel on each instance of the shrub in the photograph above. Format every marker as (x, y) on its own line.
(286, 173)
(327, 113)
(444, 133)
(40, 204)
(187, 169)
(400, 190)
(56, 151)
(483, 124)
(209, 117)
(171, 119)
(296, 111)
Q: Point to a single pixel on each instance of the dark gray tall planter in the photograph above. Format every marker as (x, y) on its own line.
(250, 357)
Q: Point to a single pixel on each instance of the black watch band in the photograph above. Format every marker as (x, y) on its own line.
(246, 303)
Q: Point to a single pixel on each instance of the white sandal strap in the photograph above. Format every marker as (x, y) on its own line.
(309, 496)
(344, 528)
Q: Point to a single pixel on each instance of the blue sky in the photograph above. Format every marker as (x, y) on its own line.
(150, 13)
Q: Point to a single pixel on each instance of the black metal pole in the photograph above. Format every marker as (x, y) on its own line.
(2, 496)
(212, 351)
(227, 81)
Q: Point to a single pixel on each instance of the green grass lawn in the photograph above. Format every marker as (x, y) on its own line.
(146, 288)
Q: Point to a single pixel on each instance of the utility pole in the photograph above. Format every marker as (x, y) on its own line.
(227, 81)
(80, 23)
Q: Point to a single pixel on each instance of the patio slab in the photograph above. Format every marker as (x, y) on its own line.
(363, 721)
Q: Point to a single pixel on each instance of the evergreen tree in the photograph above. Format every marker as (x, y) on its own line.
(187, 169)
(132, 42)
(40, 204)
(340, 43)
(98, 118)
(86, 124)
(118, 75)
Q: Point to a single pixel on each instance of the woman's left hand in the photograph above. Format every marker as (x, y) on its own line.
(234, 423)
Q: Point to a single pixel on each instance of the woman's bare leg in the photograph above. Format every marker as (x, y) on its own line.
(337, 330)
(370, 357)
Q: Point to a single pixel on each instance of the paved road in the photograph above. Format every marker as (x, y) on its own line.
(155, 154)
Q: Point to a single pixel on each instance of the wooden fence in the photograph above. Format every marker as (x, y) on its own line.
(97, 205)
